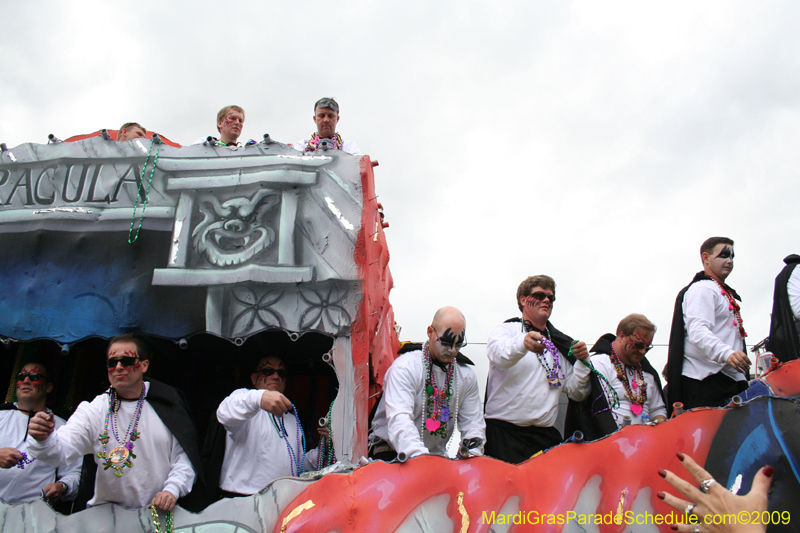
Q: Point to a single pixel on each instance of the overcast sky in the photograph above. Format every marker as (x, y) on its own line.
(597, 142)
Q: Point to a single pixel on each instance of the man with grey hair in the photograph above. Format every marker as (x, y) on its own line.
(326, 117)
(530, 363)
(426, 391)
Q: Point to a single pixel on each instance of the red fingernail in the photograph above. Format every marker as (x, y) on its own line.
(662, 473)
(674, 527)
(660, 495)
(681, 456)
(768, 471)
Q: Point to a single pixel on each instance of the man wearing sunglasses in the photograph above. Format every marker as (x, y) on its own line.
(425, 392)
(708, 362)
(263, 440)
(626, 388)
(139, 432)
(22, 479)
(530, 364)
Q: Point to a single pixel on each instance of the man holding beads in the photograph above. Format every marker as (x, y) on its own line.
(530, 363)
(707, 362)
(326, 117)
(426, 391)
(626, 388)
(139, 432)
(262, 429)
(23, 479)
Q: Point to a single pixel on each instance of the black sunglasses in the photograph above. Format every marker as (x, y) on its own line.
(34, 376)
(268, 371)
(542, 296)
(111, 362)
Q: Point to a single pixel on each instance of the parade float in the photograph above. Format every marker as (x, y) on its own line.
(218, 255)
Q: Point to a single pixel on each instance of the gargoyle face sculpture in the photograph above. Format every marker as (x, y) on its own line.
(234, 231)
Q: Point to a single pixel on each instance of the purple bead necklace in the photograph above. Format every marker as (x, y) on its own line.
(121, 456)
(24, 461)
(296, 460)
(554, 373)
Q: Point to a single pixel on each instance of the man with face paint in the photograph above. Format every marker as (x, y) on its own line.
(23, 479)
(137, 432)
(326, 117)
(263, 440)
(425, 392)
(230, 121)
(626, 388)
(707, 363)
(530, 363)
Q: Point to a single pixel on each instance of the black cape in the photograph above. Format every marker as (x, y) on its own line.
(593, 415)
(172, 408)
(677, 336)
(784, 339)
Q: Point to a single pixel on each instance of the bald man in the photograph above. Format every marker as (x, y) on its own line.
(426, 390)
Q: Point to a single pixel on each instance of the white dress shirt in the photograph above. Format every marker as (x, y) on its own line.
(347, 146)
(711, 336)
(255, 453)
(160, 464)
(20, 485)
(398, 418)
(517, 390)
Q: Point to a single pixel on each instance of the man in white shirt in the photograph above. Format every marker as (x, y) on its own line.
(264, 439)
(707, 362)
(426, 392)
(142, 465)
(626, 388)
(784, 329)
(529, 366)
(22, 478)
(326, 117)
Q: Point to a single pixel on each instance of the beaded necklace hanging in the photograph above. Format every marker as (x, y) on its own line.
(296, 460)
(636, 389)
(733, 305)
(168, 524)
(313, 142)
(437, 401)
(327, 455)
(554, 373)
(612, 394)
(121, 456)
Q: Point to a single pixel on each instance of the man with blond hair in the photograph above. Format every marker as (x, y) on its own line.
(707, 362)
(130, 131)
(230, 121)
(530, 363)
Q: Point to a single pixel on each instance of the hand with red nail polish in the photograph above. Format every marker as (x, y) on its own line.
(717, 501)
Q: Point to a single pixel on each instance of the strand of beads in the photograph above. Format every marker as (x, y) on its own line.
(327, 454)
(296, 460)
(554, 373)
(603, 380)
(437, 404)
(168, 525)
(734, 307)
(313, 142)
(639, 397)
(24, 461)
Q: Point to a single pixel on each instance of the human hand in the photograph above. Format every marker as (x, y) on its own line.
(164, 500)
(533, 342)
(717, 501)
(54, 491)
(323, 432)
(580, 350)
(739, 361)
(41, 425)
(276, 403)
(9, 457)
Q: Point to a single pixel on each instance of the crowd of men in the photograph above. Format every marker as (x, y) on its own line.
(230, 122)
(144, 444)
